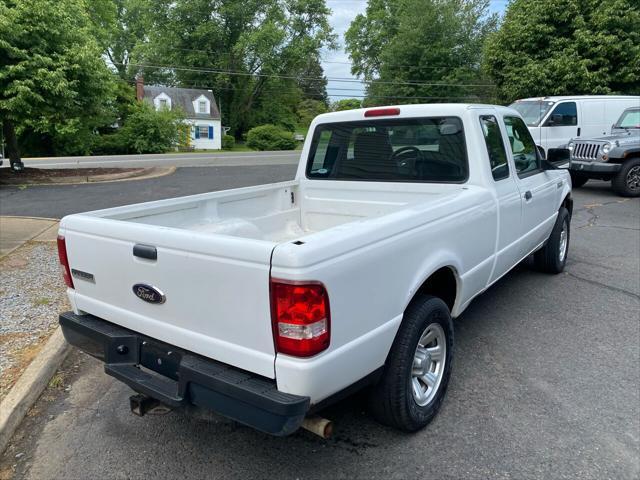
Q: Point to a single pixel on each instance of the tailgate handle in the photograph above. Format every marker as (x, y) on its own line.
(145, 251)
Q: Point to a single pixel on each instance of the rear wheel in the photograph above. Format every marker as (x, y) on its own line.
(627, 180)
(553, 256)
(418, 368)
(578, 179)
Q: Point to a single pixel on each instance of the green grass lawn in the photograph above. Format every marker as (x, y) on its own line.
(238, 147)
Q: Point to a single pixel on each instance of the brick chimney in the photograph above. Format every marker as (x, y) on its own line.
(139, 87)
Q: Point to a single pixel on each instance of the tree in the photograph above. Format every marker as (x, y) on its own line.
(312, 81)
(346, 104)
(552, 47)
(122, 30)
(417, 51)
(309, 109)
(249, 53)
(53, 80)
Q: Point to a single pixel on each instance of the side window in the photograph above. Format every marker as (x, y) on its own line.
(522, 146)
(564, 115)
(495, 147)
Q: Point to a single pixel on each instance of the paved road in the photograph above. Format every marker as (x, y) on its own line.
(163, 160)
(545, 385)
(56, 201)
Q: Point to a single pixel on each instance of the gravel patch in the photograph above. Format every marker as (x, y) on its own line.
(32, 293)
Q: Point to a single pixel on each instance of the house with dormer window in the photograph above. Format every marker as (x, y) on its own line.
(199, 107)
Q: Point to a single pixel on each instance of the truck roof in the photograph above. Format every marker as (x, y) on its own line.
(557, 98)
(412, 110)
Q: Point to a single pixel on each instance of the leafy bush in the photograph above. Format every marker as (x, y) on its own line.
(147, 130)
(228, 142)
(270, 137)
(110, 144)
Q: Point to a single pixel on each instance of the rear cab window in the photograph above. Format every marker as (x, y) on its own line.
(393, 150)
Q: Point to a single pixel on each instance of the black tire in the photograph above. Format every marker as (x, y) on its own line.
(391, 400)
(548, 259)
(578, 179)
(627, 181)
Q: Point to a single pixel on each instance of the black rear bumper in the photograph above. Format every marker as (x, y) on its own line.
(177, 377)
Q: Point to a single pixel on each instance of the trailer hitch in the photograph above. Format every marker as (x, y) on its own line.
(142, 405)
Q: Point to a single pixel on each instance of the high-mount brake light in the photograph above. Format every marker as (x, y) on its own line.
(300, 317)
(382, 112)
(64, 261)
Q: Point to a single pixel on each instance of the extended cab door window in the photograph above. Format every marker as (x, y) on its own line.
(523, 148)
(495, 147)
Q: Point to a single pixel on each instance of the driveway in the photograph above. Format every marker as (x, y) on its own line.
(56, 201)
(545, 385)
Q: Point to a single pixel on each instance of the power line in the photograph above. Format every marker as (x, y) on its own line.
(394, 97)
(296, 77)
(228, 54)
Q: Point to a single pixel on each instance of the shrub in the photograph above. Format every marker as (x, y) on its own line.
(110, 144)
(228, 142)
(270, 137)
(149, 131)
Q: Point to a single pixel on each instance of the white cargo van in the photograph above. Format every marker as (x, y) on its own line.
(553, 121)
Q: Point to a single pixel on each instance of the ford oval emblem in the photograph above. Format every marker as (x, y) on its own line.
(148, 293)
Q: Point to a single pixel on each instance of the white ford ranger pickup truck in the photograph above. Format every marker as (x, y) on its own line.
(267, 303)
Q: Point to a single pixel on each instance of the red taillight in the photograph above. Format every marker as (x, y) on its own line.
(300, 317)
(382, 112)
(64, 261)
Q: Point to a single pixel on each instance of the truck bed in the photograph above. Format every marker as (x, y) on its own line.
(213, 258)
(273, 213)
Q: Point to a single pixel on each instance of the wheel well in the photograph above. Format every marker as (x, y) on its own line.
(442, 284)
(568, 204)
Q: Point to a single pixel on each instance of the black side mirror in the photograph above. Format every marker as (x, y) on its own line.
(541, 154)
(547, 165)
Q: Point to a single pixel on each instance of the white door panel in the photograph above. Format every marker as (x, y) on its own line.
(562, 124)
(539, 193)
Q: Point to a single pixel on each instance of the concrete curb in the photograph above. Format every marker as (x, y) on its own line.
(30, 385)
(54, 222)
(30, 218)
(153, 172)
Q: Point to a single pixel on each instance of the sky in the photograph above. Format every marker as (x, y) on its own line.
(336, 64)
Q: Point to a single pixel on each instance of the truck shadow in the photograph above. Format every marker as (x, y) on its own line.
(355, 431)
(488, 368)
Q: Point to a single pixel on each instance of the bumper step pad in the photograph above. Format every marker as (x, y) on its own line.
(184, 377)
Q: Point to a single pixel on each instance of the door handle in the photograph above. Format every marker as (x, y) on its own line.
(145, 251)
(578, 131)
(528, 195)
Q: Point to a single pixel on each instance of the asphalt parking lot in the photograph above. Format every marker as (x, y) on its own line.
(545, 385)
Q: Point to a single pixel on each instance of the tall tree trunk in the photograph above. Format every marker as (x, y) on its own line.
(9, 134)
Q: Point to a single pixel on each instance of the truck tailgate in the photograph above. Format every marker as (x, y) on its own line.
(216, 287)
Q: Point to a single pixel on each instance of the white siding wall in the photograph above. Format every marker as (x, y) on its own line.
(214, 143)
